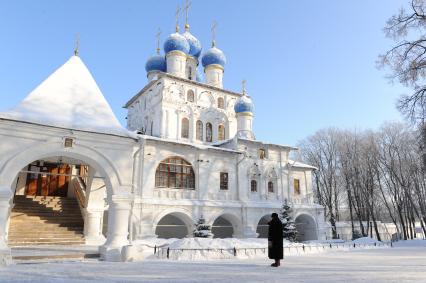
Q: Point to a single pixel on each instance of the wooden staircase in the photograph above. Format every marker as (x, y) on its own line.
(39, 220)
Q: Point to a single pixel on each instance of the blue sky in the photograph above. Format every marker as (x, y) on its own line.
(308, 64)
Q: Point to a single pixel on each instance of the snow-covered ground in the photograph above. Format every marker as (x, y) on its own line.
(214, 249)
(406, 262)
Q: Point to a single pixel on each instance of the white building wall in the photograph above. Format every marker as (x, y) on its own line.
(166, 103)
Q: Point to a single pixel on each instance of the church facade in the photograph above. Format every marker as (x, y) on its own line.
(189, 151)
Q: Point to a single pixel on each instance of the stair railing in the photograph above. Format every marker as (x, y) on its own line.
(79, 191)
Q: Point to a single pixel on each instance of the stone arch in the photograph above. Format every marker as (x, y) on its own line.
(101, 164)
(226, 225)
(262, 226)
(306, 227)
(173, 223)
(92, 157)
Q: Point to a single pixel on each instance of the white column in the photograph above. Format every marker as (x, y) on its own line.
(93, 227)
(192, 126)
(179, 125)
(5, 195)
(118, 228)
(5, 255)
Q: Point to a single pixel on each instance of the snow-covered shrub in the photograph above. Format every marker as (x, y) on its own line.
(356, 235)
(202, 230)
(289, 227)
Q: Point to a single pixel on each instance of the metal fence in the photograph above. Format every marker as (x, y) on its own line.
(167, 252)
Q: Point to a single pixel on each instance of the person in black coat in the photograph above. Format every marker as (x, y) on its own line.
(275, 240)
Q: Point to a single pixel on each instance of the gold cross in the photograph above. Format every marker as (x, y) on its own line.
(213, 29)
(158, 40)
(187, 6)
(77, 44)
(177, 18)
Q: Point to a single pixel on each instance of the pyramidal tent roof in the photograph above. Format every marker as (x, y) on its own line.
(69, 98)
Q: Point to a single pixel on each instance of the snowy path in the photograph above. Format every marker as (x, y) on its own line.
(376, 265)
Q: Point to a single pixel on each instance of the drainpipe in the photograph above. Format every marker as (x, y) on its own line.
(281, 176)
(238, 187)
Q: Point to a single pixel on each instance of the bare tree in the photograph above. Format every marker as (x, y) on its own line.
(378, 176)
(320, 150)
(407, 59)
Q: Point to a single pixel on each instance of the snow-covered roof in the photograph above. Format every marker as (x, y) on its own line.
(298, 164)
(68, 98)
(195, 145)
(269, 144)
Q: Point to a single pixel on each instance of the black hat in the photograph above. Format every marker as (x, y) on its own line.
(274, 215)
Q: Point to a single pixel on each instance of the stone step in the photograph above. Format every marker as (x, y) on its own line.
(35, 242)
(46, 217)
(46, 206)
(37, 220)
(45, 201)
(57, 230)
(41, 233)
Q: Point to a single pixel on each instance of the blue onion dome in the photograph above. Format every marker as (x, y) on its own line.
(194, 44)
(176, 41)
(156, 63)
(213, 56)
(244, 104)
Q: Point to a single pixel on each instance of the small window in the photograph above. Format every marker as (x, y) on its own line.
(220, 103)
(253, 185)
(262, 153)
(296, 185)
(190, 95)
(223, 181)
(270, 187)
(199, 131)
(209, 132)
(68, 142)
(185, 128)
(221, 132)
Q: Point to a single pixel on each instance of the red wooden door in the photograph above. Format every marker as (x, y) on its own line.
(51, 181)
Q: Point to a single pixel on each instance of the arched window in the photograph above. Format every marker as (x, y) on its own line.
(175, 172)
(221, 132)
(185, 128)
(220, 103)
(199, 131)
(270, 187)
(253, 186)
(190, 95)
(209, 132)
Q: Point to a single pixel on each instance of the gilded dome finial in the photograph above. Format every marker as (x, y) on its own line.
(243, 83)
(187, 6)
(177, 18)
(213, 29)
(158, 40)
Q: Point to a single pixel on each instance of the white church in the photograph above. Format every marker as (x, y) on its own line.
(70, 173)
